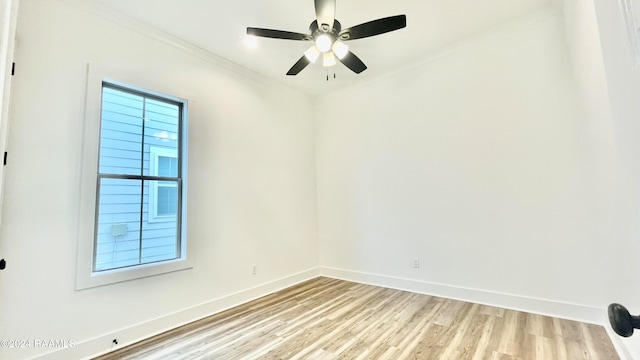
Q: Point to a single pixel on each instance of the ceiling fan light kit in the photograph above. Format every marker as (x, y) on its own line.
(329, 37)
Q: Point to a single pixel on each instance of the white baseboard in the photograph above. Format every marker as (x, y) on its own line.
(100, 345)
(618, 343)
(563, 310)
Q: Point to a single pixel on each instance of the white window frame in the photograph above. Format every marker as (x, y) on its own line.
(154, 153)
(86, 277)
(8, 23)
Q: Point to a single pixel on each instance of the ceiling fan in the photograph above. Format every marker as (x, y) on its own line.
(329, 37)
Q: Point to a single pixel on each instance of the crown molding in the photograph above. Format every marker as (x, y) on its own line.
(125, 21)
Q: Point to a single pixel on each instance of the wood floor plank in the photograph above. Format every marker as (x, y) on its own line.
(333, 319)
(482, 350)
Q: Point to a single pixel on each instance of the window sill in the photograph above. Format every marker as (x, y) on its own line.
(89, 279)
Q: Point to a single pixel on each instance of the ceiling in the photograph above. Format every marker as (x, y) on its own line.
(219, 26)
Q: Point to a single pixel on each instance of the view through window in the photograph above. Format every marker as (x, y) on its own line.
(138, 217)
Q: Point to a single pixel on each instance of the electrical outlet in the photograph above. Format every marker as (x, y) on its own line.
(416, 263)
(254, 269)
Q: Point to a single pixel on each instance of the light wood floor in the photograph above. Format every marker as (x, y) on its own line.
(334, 319)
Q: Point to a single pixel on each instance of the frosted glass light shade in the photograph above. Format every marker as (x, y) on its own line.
(312, 54)
(340, 49)
(329, 59)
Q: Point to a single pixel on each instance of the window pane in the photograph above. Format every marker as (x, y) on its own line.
(118, 233)
(121, 133)
(167, 200)
(160, 128)
(167, 166)
(160, 239)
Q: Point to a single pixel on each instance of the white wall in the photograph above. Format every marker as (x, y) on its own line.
(480, 163)
(251, 185)
(507, 165)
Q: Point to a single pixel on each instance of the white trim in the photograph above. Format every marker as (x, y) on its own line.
(221, 63)
(618, 344)
(553, 308)
(86, 349)
(505, 30)
(90, 348)
(8, 23)
(85, 276)
(558, 309)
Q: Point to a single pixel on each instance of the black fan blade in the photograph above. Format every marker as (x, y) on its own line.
(299, 66)
(353, 62)
(375, 27)
(325, 14)
(277, 34)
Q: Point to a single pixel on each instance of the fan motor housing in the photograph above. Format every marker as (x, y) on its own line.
(315, 30)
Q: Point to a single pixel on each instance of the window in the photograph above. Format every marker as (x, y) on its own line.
(139, 180)
(164, 162)
(132, 211)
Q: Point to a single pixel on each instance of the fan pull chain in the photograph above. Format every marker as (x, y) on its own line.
(334, 73)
